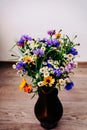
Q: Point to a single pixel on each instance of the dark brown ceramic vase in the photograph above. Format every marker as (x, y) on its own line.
(48, 108)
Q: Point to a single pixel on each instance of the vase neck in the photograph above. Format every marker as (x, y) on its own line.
(48, 92)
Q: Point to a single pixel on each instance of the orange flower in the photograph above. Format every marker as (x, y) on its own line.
(25, 86)
(58, 35)
(28, 88)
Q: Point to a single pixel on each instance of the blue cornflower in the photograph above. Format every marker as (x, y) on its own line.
(69, 86)
(43, 40)
(57, 72)
(49, 65)
(55, 43)
(49, 42)
(21, 66)
(73, 51)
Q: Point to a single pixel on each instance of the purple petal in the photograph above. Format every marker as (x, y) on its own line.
(26, 37)
(57, 72)
(43, 40)
(51, 32)
(38, 52)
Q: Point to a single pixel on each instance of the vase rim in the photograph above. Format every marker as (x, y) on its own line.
(46, 91)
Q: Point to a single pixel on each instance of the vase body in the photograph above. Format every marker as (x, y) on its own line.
(48, 108)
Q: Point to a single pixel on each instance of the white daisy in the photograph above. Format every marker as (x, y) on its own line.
(56, 62)
(61, 82)
(46, 74)
(40, 83)
(50, 69)
(62, 69)
(14, 66)
(56, 66)
(70, 56)
(43, 48)
(50, 61)
(42, 70)
(44, 63)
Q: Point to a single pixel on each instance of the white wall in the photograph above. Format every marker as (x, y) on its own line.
(36, 17)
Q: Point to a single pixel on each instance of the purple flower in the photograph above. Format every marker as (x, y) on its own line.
(43, 40)
(38, 52)
(23, 39)
(70, 66)
(26, 37)
(69, 86)
(73, 51)
(51, 32)
(57, 72)
(21, 66)
(49, 43)
(20, 42)
(54, 43)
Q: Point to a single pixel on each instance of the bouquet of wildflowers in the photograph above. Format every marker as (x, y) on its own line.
(48, 61)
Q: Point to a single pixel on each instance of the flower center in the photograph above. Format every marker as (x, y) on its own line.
(48, 81)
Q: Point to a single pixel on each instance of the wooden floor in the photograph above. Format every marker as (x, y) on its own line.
(17, 108)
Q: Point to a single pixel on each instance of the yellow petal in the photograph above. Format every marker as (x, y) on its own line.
(22, 84)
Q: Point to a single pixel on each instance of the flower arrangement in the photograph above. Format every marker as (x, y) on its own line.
(48, 61)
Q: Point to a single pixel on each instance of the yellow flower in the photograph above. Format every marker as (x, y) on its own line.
(48, 80)
(27, 59)
(22, 84)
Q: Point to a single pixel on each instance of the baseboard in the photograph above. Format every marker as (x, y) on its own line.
(6, 63)
(82, 64)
